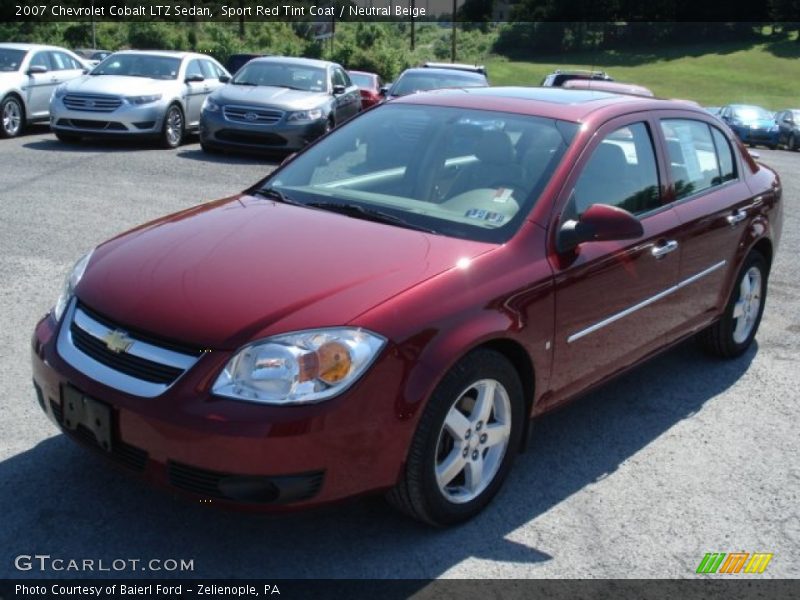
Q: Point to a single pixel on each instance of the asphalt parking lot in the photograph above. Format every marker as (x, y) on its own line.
(685, 455)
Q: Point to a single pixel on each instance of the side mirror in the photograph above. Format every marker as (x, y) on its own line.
(195, 79)
(37, 70)
(384, 91)
(338, 90)
(224, 78)
(600, 223)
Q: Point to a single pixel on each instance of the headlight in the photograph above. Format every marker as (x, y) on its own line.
(209, 105)
(143, 99)
(70, 283)
(305, 115)
(60, 91)
(299, 368)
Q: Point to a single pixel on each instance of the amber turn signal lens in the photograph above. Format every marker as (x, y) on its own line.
(334, 362)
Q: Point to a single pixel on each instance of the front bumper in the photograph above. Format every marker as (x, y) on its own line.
(218, 132)
(757, 136)
(237, 453)
(127, 120)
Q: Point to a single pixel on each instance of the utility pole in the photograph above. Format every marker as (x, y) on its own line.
(413, 33)
(453, 35)
(94, 29)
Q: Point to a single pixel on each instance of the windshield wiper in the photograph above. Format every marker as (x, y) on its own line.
(368, 214)
(275, 194)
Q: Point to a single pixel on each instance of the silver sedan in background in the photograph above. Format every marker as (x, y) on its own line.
(28, 75)
(137, 93)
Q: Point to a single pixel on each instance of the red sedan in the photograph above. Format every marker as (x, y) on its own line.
(388, 310)
(369, 84)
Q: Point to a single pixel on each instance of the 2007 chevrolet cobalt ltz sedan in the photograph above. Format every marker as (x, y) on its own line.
(388, 310)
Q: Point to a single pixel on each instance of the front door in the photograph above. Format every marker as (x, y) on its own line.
(613, 298)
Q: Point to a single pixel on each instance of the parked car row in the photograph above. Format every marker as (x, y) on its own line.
(755, 125)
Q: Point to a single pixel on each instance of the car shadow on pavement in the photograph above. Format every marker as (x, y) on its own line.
(60, 500)
(230, 159)
(101, 145)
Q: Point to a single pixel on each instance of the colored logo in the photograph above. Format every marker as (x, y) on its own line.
(734, 562)
(117, 341)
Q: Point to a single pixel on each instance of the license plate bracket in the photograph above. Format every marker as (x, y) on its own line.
(93, 415)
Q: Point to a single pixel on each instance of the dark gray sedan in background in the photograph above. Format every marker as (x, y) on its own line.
(278, 103)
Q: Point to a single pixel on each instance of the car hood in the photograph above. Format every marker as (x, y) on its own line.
(117, 84)
(265, 95)
(222, 274)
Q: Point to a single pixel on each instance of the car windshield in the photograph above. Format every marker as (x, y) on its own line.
(139, 65)
(362, 80)
(410, 83)
(471, 174)
(10, 60)
(296, 77)
(752, 113)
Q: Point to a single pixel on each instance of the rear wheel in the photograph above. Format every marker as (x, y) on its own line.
(174, 129)
(465, 442)
(13, 117)
(732, 335)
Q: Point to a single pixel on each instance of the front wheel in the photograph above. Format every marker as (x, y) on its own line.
(173, 130)
(12, 117)
(792, 144)
(465, 442)
(732, 335)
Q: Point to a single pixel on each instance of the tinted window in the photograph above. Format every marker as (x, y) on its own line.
(10, 60)
(41, 59)
(727, 164)
(64, 62)
(464, 173)
(621, 172)
(362, 80)
(340, 78)
(210, 70)
(692, 156)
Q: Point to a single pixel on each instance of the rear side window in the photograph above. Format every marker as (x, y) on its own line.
(621, 172)
(698, 158)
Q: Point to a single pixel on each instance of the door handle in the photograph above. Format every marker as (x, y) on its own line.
(662, 251)
(736, 217)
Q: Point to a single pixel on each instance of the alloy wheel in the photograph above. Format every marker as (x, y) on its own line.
(747, 306)
(174, 126)
(12, 117)
(473, 441)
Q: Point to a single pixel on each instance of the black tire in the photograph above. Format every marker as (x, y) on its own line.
(792, 144)
(417, 493)
(12, 117)
(772, 146)
(174, 129)
(68, 138)
(719, 339)
(329, 126)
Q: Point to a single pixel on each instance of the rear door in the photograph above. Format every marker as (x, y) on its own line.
(714, 205)
(612, 298)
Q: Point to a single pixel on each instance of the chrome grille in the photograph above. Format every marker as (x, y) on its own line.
(92, 102)
(142, 366)
(251, 114)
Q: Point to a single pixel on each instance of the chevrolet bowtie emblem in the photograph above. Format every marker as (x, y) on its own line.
(117, 341)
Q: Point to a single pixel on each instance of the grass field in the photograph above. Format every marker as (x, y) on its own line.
(767, 74)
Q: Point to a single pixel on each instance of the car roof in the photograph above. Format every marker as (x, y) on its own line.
(13, 46)
(619, 87)
(306, 62)
(357, 72)
(167, 53)
(548, 102)
(438, 71)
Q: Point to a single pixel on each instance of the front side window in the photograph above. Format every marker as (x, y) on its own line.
(210, 70)
(41, 59)
(193, 69)
(469, 174)
(692, 154)
(621, 172)
(64, 62)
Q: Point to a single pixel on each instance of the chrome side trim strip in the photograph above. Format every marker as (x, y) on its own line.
(616, 317)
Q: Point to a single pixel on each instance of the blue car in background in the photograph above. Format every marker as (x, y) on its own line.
(752, 124)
